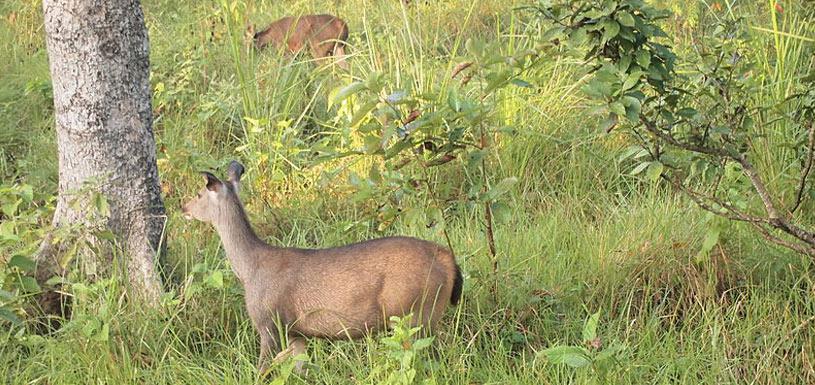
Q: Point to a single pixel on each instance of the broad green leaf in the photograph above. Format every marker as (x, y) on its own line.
(422, 343)
(654, 171)
(643, 58)
(617, 108)
(344, 92)
(553, 33)
(372, 144)
(501, 212)
(9, 315)
(711, 239)
(495, 80)
(590, 328)
(625, 19)
(609, 352)
(10, 209)
(609, 122)
(632, 80)
(104, 333)
(215, 279)
(22, 262)
(640, 168)
(27, 192)
(474, 158)
(500, 188)
(610, 30)
(632, 108)
(362, 112)
(29, 284)
(574, 356)
(6, 296)
(7, 232)
(91, 326)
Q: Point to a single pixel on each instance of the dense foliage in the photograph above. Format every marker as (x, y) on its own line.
(565, 150)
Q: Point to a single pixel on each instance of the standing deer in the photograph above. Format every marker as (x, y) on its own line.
(325, 35)
(335, 293)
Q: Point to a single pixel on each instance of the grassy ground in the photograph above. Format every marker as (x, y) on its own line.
(583, 235)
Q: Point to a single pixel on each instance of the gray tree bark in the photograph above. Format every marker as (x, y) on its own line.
(98, 54)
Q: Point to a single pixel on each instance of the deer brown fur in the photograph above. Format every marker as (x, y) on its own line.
(324, 35)
(336, 293)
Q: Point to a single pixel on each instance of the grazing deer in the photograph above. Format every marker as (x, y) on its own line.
(325, 35)
(335, 293)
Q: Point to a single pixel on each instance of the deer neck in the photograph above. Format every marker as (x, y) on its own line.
(242, 245)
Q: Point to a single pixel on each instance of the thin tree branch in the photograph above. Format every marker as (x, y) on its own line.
(799, 196)
(774, 218)
(759, 186)
(765, 233)
(670, 139)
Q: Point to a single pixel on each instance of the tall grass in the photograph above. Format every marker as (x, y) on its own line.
(584, 236)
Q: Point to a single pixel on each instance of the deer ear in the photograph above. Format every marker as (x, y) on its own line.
(213, 183)
(234, 172)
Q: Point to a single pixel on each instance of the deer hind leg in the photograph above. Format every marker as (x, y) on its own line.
(297, 345)
(320, 51)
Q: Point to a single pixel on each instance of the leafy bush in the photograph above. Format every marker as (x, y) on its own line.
(21, 227)
(697, 128)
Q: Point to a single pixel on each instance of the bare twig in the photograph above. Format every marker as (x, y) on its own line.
(759, 186)
(765, 233)
(799, 196)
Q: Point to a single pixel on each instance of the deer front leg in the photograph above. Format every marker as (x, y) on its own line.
(268, 344)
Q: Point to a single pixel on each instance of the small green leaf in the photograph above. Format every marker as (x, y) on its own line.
(610, 30)
(521, 83)
(632, 108)
(215, 279)
(625, 19)
(687, 113)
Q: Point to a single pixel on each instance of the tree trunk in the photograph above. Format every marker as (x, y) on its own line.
(98, 54)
